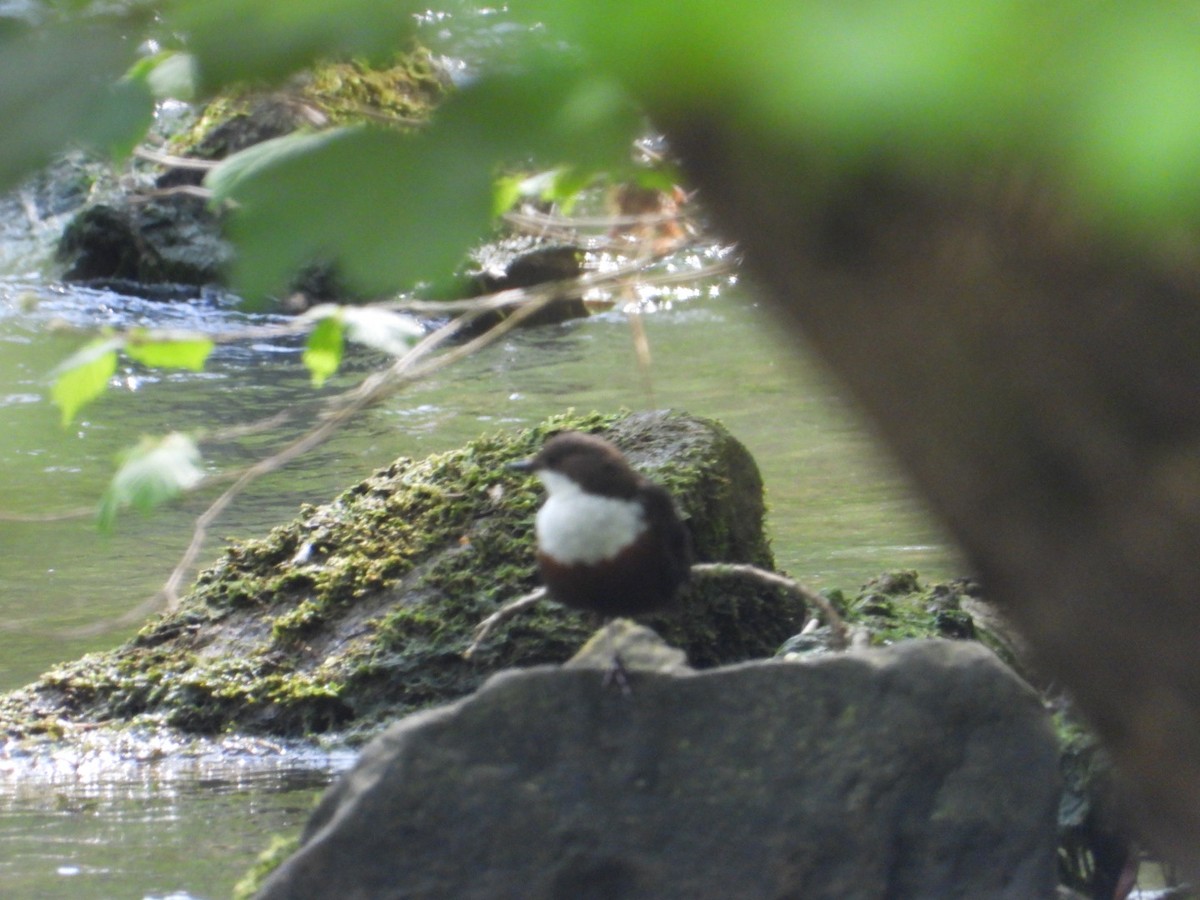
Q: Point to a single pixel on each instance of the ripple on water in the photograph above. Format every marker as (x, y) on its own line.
(149, 814)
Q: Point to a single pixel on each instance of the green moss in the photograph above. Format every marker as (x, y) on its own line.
(294, 623)
(279, 849)
(217, 111)
(358, 611)
(401, 93)
(896, 607)
(404, 91)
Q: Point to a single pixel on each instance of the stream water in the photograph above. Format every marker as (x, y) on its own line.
(159, 828)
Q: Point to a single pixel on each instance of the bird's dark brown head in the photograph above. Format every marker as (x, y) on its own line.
(593, 463)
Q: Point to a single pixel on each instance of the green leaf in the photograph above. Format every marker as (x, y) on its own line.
(84, 376)
(169, 353)
(56, 87)
(236, 170)
(552, 112)
(388, 209)
(253, 40)
(391, 209)
(172, 76)
(506, 192)
(381, 329)
(1137, 142)
(511, 188)
(154, 471)
(568, 186)
(124, 113)
(323, 353)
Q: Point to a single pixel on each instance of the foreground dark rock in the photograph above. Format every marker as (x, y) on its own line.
(923, 770)
(359, 610)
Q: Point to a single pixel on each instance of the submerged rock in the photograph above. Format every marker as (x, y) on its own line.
(519, 261)
(359, 610)
(167, 240)
(922, 770)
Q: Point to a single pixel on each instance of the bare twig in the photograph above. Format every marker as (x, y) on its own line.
(587, 281)
(185, 190)
(235, 432)
(500, 616)
(175, 162)
(80, 512)
(540, 221)
(836, 623)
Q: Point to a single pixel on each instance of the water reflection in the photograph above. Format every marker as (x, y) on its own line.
(146, 819)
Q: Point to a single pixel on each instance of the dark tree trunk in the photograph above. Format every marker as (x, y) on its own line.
(1041, 383)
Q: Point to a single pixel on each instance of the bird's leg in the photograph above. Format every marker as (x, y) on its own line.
(616, 673)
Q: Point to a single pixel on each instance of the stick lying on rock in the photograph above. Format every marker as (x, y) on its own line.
(841, 633)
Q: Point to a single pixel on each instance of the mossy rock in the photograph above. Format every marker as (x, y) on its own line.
(403, 92)
(896, 606)
(358, 611)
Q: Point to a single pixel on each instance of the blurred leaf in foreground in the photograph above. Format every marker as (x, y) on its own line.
(323, 353)
(58, 85)
(253, 40)
(226, 180)
(390, 209)
(84, 376)
(157, 470)
(1103, 97)
(394, 209)
(169, 353)
(381, 329)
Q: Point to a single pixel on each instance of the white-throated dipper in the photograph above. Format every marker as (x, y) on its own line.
(609, 540)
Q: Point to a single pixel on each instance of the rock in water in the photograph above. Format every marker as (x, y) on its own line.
(923, 770)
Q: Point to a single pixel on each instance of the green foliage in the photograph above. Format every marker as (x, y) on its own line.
(344, 198)
(235, 171)
(84, 376)
(1102, 95)
(123, 114)
(379, 329)
(257, 40)
(562, 186)
(59, 84)
(153, 472)
(323, 353)
(168, 353)
(168, 75)
(393, 209)
(1137, 142)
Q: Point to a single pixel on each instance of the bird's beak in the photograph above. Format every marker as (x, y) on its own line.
(521, 465)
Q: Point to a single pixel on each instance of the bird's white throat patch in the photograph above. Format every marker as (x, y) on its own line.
(576, 527)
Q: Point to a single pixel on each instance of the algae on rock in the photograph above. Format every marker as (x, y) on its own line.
(358, 611)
